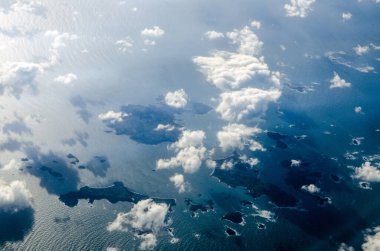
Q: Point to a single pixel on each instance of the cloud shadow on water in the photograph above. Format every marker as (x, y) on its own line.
(16, 225)
(141, 123)
(56, 175)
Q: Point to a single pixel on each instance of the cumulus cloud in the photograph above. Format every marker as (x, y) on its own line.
(149, 42)
(179, 182)
(155, 31)
(372, 240)
(148, 241)
(145, 219)
(124, 44)
(14, 196)
(338, 82)
(112, 116)
(190, 152)
(167, 127)
(346, 16)
(236, 105)
(250, 161)
(66, 79)
(27, 6)
(59, 40)
(212, 35)
(365, 69)
(361, 50)
(237, 136)
(176, 99)
(295, 163)
(311, 188)
(247, 40)
(265, 214)
(298, 8)
(358, 109)
(230, 69)
(227, 165)
(13, 164)
(367, 172)
(256, 24)
(345, 247)
(16, 77)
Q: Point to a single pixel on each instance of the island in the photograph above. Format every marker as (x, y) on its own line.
(115, 193)
(242, 175)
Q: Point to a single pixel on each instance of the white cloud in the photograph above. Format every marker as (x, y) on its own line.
(112, 249)
(338, 82)
(66, 79)
(179, 182)
(125, 44)
(367, 172)
(166, 127)
(298, 8)
(358, 109)
(112, 116)
(155, 31)
(249, 43)
(190, 152)
(146, 219)
(149, 42)
(16, 77)
(346, 16)
(59, 38)
(236, 105)
(13, 164)
(339, 57)
(372, 241)
(227, 165)
(211, 163)
(365, 69)
(148, 241)
(256, 24)
(212, 35)
(14, 196)
(176, 99)
(174, 240)
(34, 7)
(237, 136)
(295, 163)
(230, 69)
(265, 214)
(250, 161)
(190, 158)
(345, 247)
(311, 188)
(361, 50)
(375, 47)
(190, 138)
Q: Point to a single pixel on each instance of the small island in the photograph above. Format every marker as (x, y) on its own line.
(235, 217)
(115, 193)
